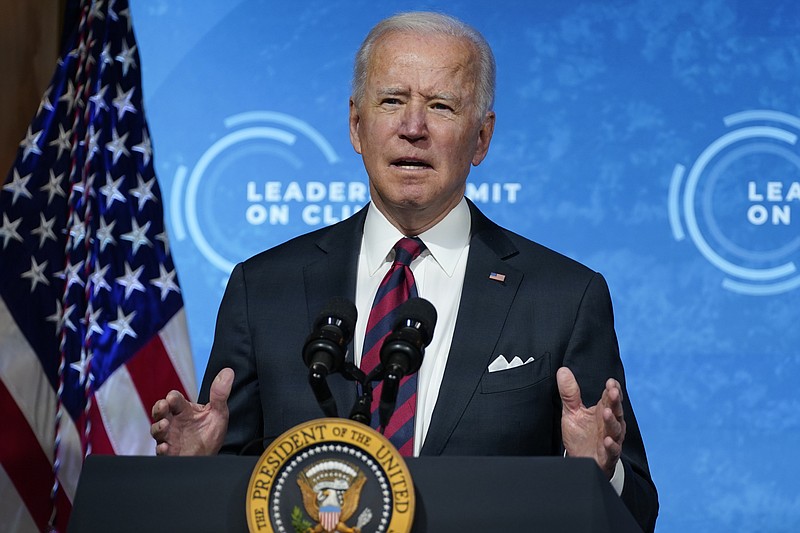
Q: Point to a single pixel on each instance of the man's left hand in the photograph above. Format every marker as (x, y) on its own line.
(597, 431)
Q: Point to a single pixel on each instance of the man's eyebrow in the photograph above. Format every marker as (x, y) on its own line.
(399, 91)
(449, 97)
(392, 91)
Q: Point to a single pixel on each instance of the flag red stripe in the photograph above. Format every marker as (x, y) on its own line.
(63, 510)
(153, 373)
(101, 444)
(24, 460)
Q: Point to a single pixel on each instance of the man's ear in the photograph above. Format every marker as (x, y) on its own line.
(484, 138)
(355, 140)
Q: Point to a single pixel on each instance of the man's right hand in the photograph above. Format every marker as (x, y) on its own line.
(181, 427)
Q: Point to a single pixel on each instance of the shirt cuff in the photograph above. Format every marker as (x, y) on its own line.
(618, 479)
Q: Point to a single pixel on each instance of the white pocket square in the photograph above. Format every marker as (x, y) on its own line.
(501, 363)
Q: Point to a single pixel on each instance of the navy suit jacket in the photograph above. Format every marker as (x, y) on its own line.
(548, 307)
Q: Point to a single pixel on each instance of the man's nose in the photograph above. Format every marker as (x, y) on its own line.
(414, 126)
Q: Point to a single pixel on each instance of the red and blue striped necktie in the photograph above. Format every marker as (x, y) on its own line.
(396, 287)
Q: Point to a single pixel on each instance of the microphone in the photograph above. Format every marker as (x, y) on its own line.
(402, 351)
(325, 349)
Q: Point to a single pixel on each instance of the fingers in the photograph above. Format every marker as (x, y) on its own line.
(568, 389)
(163, 411)
(162, 448)
(173, 404)
(612, 426)
(596, 431)
(613, 419)
(612, 398)
(221, 389)
(177, 402)
(158, 430)
(160, 409)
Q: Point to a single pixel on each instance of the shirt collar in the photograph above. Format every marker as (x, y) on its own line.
(445, 242)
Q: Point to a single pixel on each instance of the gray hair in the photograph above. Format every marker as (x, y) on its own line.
(429, 23)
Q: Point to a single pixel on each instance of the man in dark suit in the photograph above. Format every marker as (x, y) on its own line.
(520, 326)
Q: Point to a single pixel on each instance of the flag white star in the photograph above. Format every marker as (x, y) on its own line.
(45, 229)
(82, 366)
(53, 187)
(9, 230)
(80, 187)
(36, 274)
(126, 57)
(64, 319)
(165, 282)
(90, 60)
(95, 11)
(144, 147)
(94, 136)
(80, 51)
(126, 14)
(98, 279)
(45, 103)
(99, 99)
(131, 280)
(71, 274)
(111, 12)
(55, 318)
(30, 144)
(77, 230)
(117, 146)
(18, 187)
(105, 56)
(164, 238)
(93, 325)
(123, 101)
(144, 191)
(137, 236)
(62, 142)
(69, 96)
(122, 325)
(105, 234)
(111, 190)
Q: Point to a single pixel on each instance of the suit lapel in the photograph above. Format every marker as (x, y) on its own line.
(332, 272)
(485, 302)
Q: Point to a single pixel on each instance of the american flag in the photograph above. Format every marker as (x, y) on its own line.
(92, 325)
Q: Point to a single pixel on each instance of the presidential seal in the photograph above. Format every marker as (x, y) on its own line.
(328, 475)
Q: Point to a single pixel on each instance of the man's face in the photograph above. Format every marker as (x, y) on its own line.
(418, 128)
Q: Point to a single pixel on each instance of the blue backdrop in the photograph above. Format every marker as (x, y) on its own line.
(654, 141)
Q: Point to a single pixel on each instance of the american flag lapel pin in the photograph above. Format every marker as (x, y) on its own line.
(496, 276)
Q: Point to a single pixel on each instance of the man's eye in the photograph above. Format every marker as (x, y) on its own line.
(441, 107)
(390, 101)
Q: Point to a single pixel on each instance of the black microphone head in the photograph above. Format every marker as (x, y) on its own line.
(325, 348)
(403, 350)
(420, 314)
(339, 312)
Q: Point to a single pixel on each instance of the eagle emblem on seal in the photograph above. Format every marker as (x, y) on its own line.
(331, 491)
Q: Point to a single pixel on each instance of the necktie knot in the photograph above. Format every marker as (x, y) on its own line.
(407, 249)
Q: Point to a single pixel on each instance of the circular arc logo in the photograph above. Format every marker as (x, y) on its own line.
(737, 199)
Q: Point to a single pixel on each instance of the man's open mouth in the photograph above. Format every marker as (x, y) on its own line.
(411, 164)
